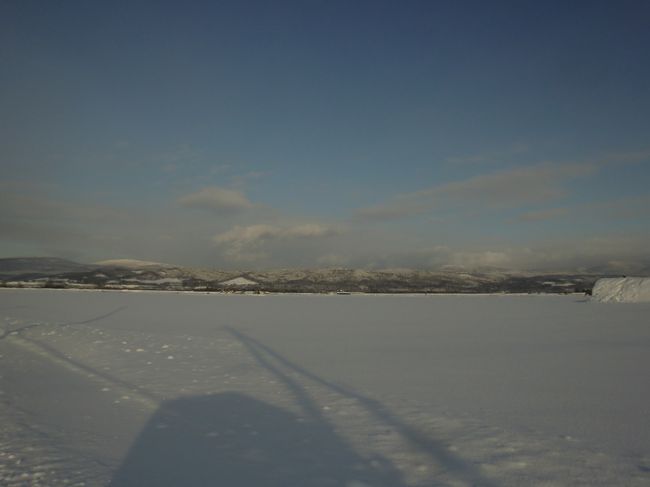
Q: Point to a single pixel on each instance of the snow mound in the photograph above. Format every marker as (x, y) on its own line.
(622, 290)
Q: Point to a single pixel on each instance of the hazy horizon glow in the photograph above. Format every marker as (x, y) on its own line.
(256, 134)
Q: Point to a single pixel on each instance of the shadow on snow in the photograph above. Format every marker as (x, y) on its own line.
(234, 440)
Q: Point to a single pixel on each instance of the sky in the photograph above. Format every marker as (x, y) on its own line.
(370, 134)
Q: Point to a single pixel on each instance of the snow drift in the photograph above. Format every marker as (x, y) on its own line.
(622, 290)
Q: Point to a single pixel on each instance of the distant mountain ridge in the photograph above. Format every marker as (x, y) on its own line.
(135, 274)
(45, 266)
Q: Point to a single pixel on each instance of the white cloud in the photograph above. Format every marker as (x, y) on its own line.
(504, 189)
(261, 232)
(309, 230)
(219, 200)
(633, 207)
(628, 254)
(247, 235)
(441, 256)
(487, 258)
(245, 243)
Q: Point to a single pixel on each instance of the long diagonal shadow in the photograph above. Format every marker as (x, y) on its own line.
(432, 448)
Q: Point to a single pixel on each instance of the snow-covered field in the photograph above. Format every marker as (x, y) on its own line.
(155, 389)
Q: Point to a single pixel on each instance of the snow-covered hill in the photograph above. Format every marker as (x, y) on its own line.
(132, 274)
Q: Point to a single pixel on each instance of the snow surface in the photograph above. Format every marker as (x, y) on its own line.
(157, 389)
(622, 290)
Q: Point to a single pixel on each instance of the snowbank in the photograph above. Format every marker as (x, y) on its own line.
(622, 290)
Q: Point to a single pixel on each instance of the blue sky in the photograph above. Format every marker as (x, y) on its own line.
(327, 133)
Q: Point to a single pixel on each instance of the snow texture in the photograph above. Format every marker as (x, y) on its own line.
(622, 290)
(167, 389)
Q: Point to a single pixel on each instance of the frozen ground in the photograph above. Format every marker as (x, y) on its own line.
(155, 389)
